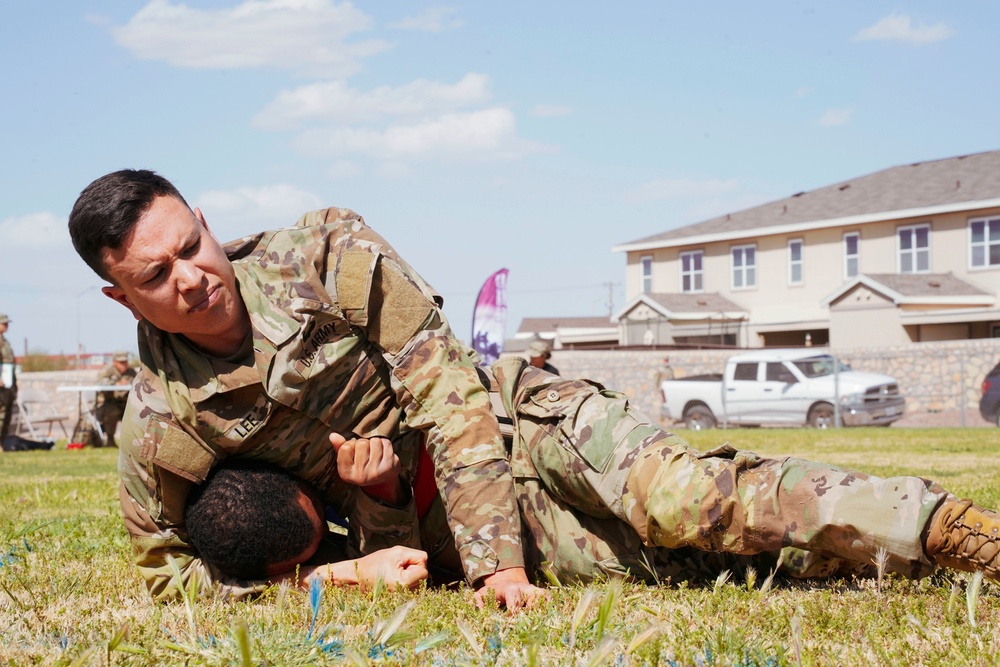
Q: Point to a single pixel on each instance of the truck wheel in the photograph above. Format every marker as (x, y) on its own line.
(699, 418)
(821, 416)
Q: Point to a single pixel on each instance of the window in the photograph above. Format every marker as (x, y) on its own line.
(647, 274)
(744, 259)
(691, 271)
(795, 262)
(745, 371)
(777, 372)
(852, 254)
(984, 242)
(914, 249)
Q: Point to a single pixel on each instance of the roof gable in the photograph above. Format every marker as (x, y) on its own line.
(915, 289)
(673, 306)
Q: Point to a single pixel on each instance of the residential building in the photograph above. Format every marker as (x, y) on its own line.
(910, 253)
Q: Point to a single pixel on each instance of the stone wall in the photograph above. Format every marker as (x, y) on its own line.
(933, 376)
(65, 402)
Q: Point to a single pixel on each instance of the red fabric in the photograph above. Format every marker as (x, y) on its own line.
(424, 487)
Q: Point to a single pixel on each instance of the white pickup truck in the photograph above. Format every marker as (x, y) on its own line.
(773, 386)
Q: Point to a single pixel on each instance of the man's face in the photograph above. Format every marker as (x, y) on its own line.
(3, 328)
(120, 366)
(537, 362)
(173, 272)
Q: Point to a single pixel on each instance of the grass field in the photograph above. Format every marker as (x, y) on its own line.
(69, 595)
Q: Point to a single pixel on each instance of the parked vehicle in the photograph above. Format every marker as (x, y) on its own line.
(989, 403)
(776, 386)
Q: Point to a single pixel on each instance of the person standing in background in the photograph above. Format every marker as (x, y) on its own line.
(538, 356)
(109, 406)
(8, 379)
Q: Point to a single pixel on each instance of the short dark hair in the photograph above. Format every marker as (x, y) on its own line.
(107, 210)
(246, 517)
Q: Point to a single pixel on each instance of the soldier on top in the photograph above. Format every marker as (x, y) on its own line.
(314, 347)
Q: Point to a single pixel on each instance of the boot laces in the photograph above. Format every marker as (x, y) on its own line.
(962, 540)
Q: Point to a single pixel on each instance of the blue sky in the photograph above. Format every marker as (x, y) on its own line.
(472, 135)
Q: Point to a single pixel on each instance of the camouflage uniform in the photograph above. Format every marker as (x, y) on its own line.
(603, 490)
(109, 406)
(7, 394)
(346, 338)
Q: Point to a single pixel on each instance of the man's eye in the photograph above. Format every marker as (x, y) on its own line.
(154, 277)
(193, 248)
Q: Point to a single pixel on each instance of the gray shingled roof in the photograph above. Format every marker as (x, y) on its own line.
(711, 302)
(948, 181)
(927, 284)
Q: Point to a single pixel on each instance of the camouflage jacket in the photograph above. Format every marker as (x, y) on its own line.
(6, 351)
(347, 338)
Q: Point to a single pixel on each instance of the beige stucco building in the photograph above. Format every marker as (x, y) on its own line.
(907, 254)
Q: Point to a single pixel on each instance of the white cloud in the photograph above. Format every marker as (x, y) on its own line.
(834, 117)
(35, 230)
(488, 133)
(246, 210)
(335, 102)
(307, 36)
(682, 188)
(549, 110)
(898, 28)
(393, 171)
(344, 169)
(804, 91)
(434, 19)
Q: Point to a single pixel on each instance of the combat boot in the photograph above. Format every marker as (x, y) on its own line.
(966, 537)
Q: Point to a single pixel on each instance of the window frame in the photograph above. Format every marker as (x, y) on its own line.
(697, 275)
(800, 263)
(856, 256)
(985, 220)
(899, 247)
(743, 269)
(646, 276)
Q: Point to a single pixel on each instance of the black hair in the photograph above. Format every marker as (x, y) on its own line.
(106, 212)
(246, 517)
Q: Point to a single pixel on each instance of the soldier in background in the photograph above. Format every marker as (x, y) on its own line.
(539, 354)
(109, 406)
(8, 379)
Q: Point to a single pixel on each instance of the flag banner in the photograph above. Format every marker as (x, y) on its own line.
(489, 318)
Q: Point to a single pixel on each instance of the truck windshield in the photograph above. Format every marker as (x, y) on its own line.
(814, 367)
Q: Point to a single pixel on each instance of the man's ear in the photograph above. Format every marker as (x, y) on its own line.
(201, 218)
(116, 294)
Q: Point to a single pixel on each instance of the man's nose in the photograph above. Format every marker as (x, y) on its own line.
(189, 276)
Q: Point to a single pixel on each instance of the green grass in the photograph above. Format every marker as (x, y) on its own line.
(69, 595)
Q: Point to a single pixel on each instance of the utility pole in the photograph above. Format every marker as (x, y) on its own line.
(611, 299)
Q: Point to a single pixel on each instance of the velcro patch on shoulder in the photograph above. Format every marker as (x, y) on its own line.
(354, 279)
(182, 455)
(398, 311)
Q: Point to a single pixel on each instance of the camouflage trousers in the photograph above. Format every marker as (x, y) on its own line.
(7, 396)
(602, 489)
(109, 415)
